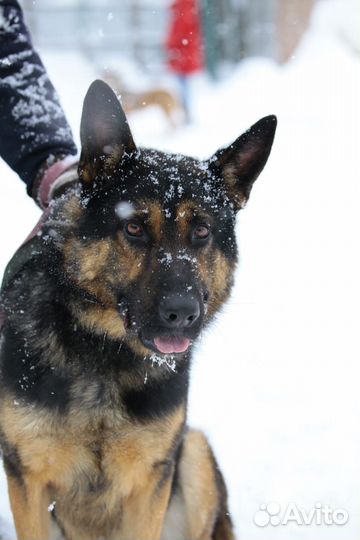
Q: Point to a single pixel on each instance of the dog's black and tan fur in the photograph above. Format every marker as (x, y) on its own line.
(92, 414)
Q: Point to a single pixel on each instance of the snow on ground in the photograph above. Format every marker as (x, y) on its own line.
(275, 381)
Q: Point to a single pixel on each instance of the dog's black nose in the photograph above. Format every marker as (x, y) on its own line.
(178, 311)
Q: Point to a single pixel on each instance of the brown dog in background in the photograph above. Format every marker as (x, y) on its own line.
(133, 101)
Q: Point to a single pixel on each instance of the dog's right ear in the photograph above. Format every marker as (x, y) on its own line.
(104, 131)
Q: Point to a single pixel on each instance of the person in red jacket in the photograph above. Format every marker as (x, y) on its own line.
(184, 44)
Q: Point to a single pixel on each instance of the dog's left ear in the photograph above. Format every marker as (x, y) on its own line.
(241, 163)
(104, 131)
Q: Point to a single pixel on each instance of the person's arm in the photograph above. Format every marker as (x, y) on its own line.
(34, 133)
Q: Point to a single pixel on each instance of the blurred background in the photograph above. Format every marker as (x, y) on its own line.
(135, 44)
(137, 29)
(275, 381)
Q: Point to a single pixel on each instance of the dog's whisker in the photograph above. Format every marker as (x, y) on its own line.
(120, 346)
(104, 340)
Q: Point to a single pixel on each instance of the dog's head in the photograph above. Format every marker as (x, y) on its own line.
(153, 248)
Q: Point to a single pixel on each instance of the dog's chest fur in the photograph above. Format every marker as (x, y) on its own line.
(92, 462)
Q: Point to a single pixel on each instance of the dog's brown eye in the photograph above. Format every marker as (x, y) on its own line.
(201, 232)
(134, 229)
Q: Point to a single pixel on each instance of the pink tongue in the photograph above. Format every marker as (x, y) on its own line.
(168, 345)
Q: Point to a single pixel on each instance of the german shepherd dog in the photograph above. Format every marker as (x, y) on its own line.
(100, 320)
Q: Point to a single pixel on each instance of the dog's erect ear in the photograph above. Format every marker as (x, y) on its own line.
(241, 163)
(104, 131)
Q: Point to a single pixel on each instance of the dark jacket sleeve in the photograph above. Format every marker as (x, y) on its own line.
(33, 127)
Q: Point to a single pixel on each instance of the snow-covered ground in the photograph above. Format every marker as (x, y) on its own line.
(275, 382)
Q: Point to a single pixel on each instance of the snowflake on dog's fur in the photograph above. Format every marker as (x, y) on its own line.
(124, 210)
(168, 360)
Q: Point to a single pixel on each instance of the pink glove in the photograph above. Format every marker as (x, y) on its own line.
(54, 178)
(50, 183)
